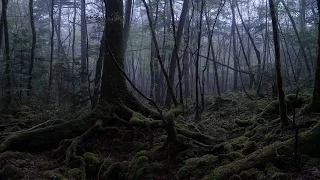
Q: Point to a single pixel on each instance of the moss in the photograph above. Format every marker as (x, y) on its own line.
(249, 148)
(13, 129)
(54, 174)
(93, 164)
(116, 171)
(235, 177)
(138, 119)
(256, 159)
(271, 169)
(175, 112)
(45, 138)
(19, 155)
(74, 173)
(280, 176)
(309, 140)
(197, 167)
(196, 136)
(272, 109)
(236, 155)
(163, 138)
(76, 162)
(141, 168)
(222, 148)
(10, 172)
(243, 123)
(313, 162)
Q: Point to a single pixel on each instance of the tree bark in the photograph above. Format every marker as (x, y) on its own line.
(33, 46)
(174, 55)
(282, 104)
(7, 57)
(316, 89)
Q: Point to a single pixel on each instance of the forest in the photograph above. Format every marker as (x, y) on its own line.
(160, 89)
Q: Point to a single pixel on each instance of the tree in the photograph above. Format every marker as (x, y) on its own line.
(282, 104)
(177, 41)
(84, 50)
(314, 107)
(33, 46)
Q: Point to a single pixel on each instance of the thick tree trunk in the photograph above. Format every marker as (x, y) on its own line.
(113, 84)
(282, 104)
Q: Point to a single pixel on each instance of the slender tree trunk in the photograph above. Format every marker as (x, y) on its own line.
(83, 75)
(51, 49)
(73, 43)
(33, 46)
(98, 72)
(234, 44)
(316, 89)
(6, 56)
(175, 102)
(127, 22)
(282, 104)
(197, 108)
(177, 41)
(306, 61)
(257, 52)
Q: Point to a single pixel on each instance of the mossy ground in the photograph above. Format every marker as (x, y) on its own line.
(236, 138)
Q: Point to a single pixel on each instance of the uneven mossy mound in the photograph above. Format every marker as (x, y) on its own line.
(272, 110)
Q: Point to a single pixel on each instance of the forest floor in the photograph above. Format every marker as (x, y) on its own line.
(241, 129)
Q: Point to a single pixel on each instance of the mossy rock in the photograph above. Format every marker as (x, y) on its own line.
(222, 148)
(10, 172)
(54, 174)
(280, 176)
(141, 168)
(249, 148)
(313, 162)
(117, 171)
(236, 155)
(197, 167)
(243, 123)
(75, 173)
(249, 174)
(235, 177)
(93, 164)
(271, 169)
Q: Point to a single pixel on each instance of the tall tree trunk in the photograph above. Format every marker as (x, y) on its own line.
(6, 56)
(316, 89)
(33, 46)
(97, 77)
(84, 51)
(257, 52)
(127, 22)
(282, 103)
(113, 84)
(51, 49)
(302, 48)
(174, 55)
(175, 102)
(73, 44)
(234, 44)
(197, 108)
